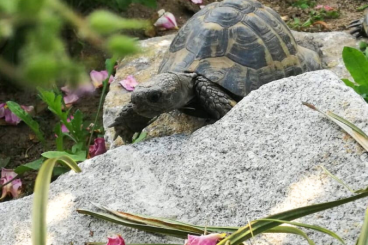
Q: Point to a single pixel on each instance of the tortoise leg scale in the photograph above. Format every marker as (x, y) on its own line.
(213, 99)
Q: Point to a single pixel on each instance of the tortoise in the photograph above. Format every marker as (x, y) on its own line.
(221, 54)
(360, 27)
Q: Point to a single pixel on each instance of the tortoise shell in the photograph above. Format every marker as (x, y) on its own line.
(238, 44)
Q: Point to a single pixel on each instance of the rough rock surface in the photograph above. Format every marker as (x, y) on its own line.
(145, 65)
(263, 157)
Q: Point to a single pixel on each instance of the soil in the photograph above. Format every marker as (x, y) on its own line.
(17, 143)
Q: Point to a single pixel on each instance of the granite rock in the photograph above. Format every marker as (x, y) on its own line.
(263, 157)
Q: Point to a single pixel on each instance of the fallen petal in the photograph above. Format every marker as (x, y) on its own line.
(116, 240)
(70, 99)
(210, 239)
(97, 148)
(197, 1)
(166, 21)
(129, 83)
(2, 110)
(13, 188)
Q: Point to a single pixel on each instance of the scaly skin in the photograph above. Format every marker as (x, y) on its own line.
(212, 98)
(360, 27)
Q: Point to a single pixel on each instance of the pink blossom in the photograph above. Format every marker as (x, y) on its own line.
(97, 148)
(64, 129)
(72, 95)
(166, 21)
(116, 240)
(129, 83)
(197, 1)
(325, 7)
(14, 188)
(99, 76)
(9, 117)
(210, 239)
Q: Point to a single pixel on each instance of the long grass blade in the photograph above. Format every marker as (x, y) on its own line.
(41, 193)
(151, 221)
(363, 237)
(261, 226)
(338, 180)
(350, 128)
(290, 230)
(152, 229)
(313, 227)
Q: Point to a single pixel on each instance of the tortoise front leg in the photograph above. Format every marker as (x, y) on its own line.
(359, 28)
(212, 98)
(129, 122)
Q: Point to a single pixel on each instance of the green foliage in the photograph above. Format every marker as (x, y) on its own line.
(314, 15)
(39, 208)
(363, 237)
(237, 235)
(363, 7)
(139, 137)
(34, 49)
(357, 64)
(304, 4)
(19, 112)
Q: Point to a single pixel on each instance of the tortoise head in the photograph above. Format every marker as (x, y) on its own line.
(163, 93)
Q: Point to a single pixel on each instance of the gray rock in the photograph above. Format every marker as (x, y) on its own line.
(145, 65)
(263, 157)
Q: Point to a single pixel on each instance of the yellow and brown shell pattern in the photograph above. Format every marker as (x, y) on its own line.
(239, 44)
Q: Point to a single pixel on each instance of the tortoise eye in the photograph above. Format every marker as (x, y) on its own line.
(154, 97)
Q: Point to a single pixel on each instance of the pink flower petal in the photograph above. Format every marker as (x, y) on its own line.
(99, 76)
(129, 83)
(210, 239)
(97, 148)
(116, 240)
(166, 21)
(2, 110)
(14, 187)
(70, 99)
(197, 1)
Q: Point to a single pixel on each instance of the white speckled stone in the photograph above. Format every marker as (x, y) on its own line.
(263, 157)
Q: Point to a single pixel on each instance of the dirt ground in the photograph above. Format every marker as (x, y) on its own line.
(15, 141)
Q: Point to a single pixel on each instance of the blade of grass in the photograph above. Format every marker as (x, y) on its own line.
(157, 222)
(350, 128)
(363, 237)
(152, 229)
(39, 231)
(290, 230)
(261, 226)
(313, 227)
(338, 180)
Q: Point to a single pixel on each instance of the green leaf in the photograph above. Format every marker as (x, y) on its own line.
(122, 45)
(54, 103)
(35, 165)
(363, 7)
(40, 196)
(22, 114)
(363, 237)
(348, 83)
(313, 227)
(290, 230)
(60, 137)
(78, 157)
(106, 22)
(142, 136)
(357, 65)
(4, 162)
